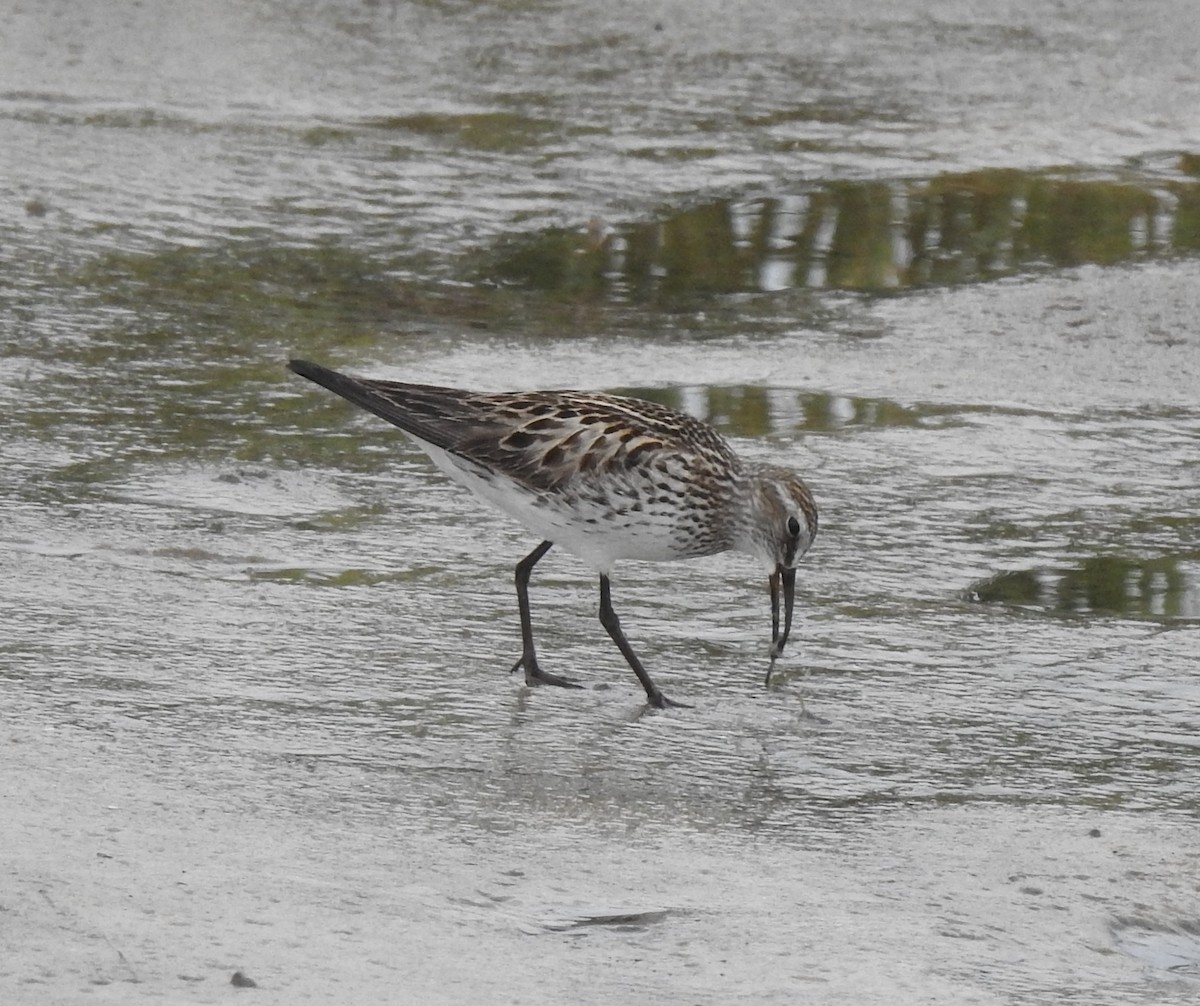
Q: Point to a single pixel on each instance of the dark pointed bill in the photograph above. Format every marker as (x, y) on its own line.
(778, 641)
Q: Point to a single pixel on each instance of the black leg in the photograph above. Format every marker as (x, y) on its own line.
(612, 624)
(534, 675)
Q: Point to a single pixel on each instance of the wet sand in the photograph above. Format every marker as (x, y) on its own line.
(257, 716)
(121, 885)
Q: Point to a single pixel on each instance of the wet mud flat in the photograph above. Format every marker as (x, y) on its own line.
(150, 888)
(254, 650)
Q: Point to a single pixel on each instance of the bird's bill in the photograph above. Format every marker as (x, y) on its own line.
(786, 577)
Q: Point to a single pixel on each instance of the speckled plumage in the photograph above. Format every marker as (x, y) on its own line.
(605, 477)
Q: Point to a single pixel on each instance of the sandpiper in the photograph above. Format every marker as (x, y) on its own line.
(605, 477)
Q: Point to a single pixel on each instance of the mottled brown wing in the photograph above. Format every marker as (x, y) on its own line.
(542, 439)
(554, 438)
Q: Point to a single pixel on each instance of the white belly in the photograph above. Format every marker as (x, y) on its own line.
(596, 532)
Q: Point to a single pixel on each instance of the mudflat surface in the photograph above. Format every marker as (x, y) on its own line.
(254, 650)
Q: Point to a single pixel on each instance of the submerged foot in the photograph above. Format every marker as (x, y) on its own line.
(534, 675)
(659, 701)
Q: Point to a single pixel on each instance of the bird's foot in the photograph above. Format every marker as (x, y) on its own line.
(534, 675)
(660, 701)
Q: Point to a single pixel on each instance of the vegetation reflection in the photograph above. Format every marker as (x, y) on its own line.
(1104, 584)
(870, 235)
(752, 411)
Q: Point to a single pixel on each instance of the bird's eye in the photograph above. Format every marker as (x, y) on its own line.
(793, 527)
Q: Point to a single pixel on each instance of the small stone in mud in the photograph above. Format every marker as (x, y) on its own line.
(242, 982)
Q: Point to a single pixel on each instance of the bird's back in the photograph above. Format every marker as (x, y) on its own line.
(604, 475)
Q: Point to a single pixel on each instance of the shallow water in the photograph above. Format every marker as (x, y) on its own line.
(256, 650)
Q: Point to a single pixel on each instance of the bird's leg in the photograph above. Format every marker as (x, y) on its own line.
(534, 675)
(612, 624)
